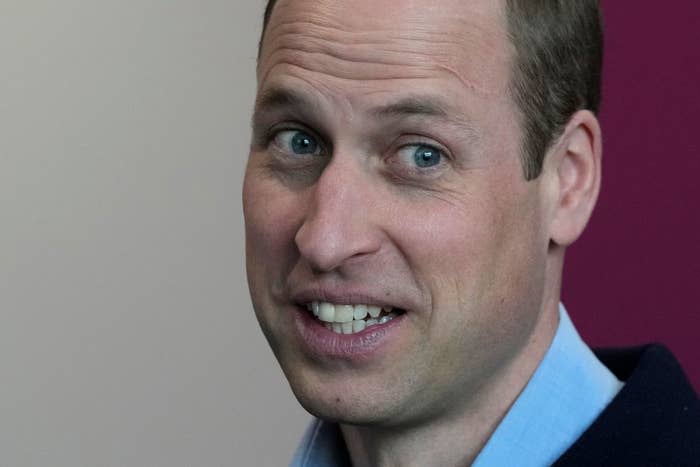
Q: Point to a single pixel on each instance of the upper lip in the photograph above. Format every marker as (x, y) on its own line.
(345, 296)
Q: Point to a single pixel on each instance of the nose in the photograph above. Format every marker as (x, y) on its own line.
(339, 225)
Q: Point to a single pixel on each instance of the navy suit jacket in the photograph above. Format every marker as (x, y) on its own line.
(653, 421)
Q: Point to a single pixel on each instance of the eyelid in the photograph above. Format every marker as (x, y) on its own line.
(418, 140)
(273, 130)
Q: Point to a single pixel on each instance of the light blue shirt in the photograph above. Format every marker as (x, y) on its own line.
(567, 392)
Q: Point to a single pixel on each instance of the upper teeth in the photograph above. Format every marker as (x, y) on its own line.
(337, 313)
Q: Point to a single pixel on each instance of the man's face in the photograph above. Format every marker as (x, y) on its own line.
(385, 171)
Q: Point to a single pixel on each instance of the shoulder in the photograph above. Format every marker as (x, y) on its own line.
(654, 419)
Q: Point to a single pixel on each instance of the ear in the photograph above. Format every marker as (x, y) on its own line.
(576, 170)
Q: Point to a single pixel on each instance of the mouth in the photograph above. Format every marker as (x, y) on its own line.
(351, 319)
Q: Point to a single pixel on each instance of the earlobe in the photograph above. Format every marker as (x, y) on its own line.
(578, 174)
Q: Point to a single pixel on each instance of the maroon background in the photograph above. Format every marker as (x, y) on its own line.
(634, 276)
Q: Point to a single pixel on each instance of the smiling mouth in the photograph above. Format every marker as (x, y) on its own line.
(351, 319)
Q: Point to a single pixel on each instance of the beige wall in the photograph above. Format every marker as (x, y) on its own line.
(126, 332)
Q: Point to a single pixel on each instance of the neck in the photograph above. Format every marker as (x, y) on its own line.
(445, 443)
(457, 438)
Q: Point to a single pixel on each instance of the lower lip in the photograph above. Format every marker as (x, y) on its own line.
(363, 345)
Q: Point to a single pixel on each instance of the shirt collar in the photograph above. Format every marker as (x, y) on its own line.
(321, 446)
(567, 392)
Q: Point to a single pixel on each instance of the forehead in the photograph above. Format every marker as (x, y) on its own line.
(388, 40)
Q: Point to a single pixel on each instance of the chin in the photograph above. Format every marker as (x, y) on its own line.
(345, 412)
(352, 408)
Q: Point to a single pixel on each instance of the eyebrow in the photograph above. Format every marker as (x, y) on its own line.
(413, 106)
(424, 106)
(279, 98)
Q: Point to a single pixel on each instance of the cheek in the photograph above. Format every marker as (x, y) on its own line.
(482, 269)
(475, 254)
(450, 248)
(271, 221)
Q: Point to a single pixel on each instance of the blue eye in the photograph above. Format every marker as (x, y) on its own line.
(297, 142)
(426, 156)
(303, 143)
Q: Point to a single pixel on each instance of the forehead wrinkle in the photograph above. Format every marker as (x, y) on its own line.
(343, 69)
(319, 41)
(316, 37)
(307, 49)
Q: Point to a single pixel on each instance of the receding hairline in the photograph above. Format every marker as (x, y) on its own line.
(554, 70)
(271, 4)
